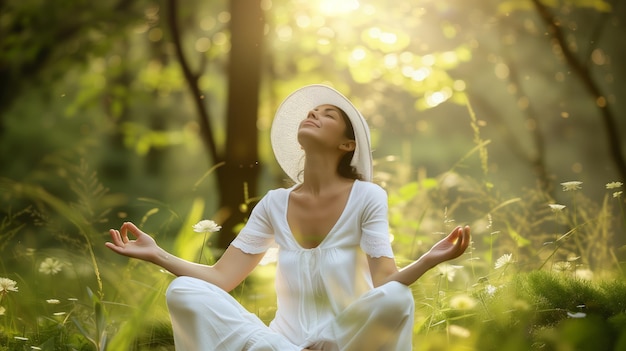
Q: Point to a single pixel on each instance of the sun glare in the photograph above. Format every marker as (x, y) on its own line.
(338, 7)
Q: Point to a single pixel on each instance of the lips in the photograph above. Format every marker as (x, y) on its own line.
(309, 122)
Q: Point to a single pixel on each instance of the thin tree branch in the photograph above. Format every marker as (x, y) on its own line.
(608, 118)
(192, 81)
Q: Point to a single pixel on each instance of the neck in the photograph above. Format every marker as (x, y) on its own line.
(320, 172)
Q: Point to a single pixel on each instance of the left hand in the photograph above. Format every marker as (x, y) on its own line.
(450, 247)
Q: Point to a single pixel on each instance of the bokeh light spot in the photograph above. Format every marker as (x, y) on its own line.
(203, 44)
(338, 7)
(155, 34)
(502, 71)
(358, 54)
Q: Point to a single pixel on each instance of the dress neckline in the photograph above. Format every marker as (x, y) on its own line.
(332, 229)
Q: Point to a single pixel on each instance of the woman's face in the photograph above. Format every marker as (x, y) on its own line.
(325, 125)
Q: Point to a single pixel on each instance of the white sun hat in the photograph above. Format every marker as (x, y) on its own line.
(295, 108)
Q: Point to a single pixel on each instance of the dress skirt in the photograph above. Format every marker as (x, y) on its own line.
(206, 318)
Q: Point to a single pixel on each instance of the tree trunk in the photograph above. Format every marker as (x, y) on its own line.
(241, 166)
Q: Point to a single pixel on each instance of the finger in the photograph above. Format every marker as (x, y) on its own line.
(130, 226)
(123, 232)
(457, 234)
(113, 247)
(465, 238)
(116, 241)
(459, 245)
(116, 238)
(454, 234)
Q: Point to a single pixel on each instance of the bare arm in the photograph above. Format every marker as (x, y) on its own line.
(452, 246)
(230, 270)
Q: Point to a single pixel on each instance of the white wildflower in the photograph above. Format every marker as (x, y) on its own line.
(556, 207)
(459, 331)
(35, 348)
(58, 314)
(504, 260)
(614, 185)
(572, 258)
(490, 289)
(50, 266)
(53, 301)
(206, 226)
(20, 338)
(7, 285)
(448, 270)
(462, 302)
(617, 194)
(571, 186)
(562, 266)
(576, 315)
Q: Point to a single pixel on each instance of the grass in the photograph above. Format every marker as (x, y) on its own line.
(535, 277)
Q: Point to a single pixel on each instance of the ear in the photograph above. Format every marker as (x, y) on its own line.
(348, 146)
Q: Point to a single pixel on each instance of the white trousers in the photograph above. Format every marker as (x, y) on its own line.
(206, 318)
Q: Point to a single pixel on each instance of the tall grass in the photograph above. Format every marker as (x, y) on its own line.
(535, 276)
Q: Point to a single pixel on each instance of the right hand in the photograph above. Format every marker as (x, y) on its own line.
(142, 247)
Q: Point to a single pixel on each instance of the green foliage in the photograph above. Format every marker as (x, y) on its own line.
(97, 128)
(470, 302)
(539, 310)
(188, 244)
(54, 306)
(574, 313)
(133, 331)
(98, 334)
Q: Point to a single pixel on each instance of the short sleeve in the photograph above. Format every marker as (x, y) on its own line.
(257, 236)
(375, 224)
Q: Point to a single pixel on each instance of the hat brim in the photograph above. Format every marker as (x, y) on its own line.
(284, 132)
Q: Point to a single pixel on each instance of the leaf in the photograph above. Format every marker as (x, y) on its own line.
(506, 203)
(150, 212)
(82, 330)
(127, 334)
(101, 320)
(519, 240)
(189, 243)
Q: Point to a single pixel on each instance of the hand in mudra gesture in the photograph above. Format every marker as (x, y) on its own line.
(450, 247)
(143, 246)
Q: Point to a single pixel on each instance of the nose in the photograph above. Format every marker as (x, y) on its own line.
(312, 114)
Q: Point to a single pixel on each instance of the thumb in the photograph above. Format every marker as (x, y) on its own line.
(130, 226)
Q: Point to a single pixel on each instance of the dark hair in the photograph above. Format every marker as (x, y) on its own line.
(345, 169)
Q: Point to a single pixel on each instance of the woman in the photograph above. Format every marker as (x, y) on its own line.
(337, 283)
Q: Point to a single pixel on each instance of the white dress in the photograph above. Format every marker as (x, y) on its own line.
(325, 294)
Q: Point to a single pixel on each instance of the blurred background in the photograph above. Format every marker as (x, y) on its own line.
(151, 95)
(158, 112)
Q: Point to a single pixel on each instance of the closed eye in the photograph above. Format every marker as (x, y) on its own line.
(328, 112)
(332, 113)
